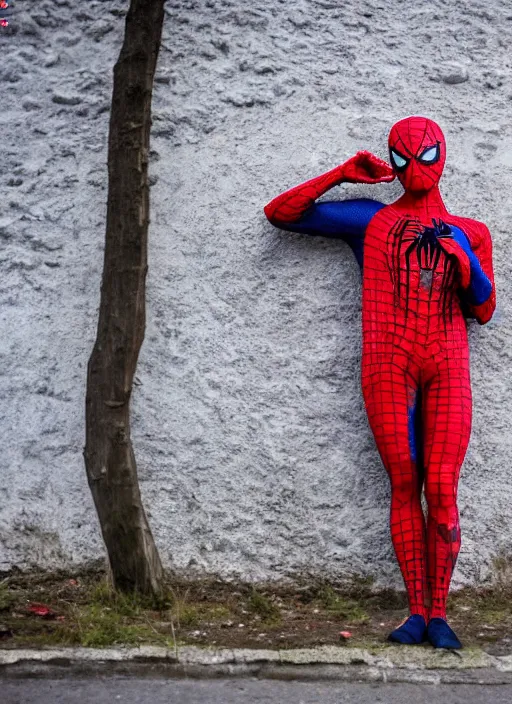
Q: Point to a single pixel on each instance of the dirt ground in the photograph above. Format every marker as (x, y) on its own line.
(64, 609)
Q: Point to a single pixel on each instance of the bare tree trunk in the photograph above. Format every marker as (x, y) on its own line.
(109, 457)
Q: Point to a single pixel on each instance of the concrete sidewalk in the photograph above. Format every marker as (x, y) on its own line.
(386, 664)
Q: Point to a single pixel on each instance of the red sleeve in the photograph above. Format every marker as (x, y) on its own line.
(482, 247)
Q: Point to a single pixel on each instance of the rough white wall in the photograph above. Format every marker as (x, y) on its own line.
(254, 452)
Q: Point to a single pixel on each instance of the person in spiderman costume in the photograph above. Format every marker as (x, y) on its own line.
(424, 271)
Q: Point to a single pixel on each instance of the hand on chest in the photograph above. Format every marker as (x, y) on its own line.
(419, 257)
(415, 246)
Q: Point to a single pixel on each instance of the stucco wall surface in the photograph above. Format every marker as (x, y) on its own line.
(254, 452)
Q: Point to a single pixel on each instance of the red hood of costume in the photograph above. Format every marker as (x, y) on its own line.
(417, 150)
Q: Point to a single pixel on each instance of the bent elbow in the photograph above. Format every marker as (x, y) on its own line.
(273, 215)
(270, 213)
(484, 312)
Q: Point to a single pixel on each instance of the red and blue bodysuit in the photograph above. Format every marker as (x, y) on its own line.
(424, 271)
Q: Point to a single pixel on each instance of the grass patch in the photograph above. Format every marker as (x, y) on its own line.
(491, 607)
(102, 594)
(186, 615)
(98, 627)
(342, 607)
(84, 612)
(263, 607)
(6, 596)
(192, 611)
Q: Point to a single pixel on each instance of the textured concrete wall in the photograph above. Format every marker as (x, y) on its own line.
(254, 452)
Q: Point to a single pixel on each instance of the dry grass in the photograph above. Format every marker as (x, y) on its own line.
(86, 611)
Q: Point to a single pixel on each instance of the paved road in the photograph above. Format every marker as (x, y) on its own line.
(240, 691)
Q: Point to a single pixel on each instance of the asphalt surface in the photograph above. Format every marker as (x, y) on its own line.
(239, 691)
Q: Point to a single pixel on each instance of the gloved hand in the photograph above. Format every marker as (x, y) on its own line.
(473, 278)
(365, 167)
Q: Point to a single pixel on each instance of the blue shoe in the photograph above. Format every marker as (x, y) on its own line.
(411, 632)
(441, 635)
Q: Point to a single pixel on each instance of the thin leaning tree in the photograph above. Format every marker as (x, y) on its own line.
(109, 457)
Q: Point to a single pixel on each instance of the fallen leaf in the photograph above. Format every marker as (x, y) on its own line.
(41, 610)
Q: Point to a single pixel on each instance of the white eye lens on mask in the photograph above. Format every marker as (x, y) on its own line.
(398, 160)
(430, 155)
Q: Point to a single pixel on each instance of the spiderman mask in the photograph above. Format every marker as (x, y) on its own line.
(417, 150)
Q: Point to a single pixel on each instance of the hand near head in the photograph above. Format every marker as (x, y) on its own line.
(365, 167)
(291, 205)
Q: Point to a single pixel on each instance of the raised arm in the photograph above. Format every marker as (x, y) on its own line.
(296, 210)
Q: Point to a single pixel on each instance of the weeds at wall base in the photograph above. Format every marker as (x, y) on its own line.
(84, 610)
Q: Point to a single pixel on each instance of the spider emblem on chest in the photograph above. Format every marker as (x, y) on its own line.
(420, 247)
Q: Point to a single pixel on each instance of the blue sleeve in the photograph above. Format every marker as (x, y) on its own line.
(340, 219)
(480, 288)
